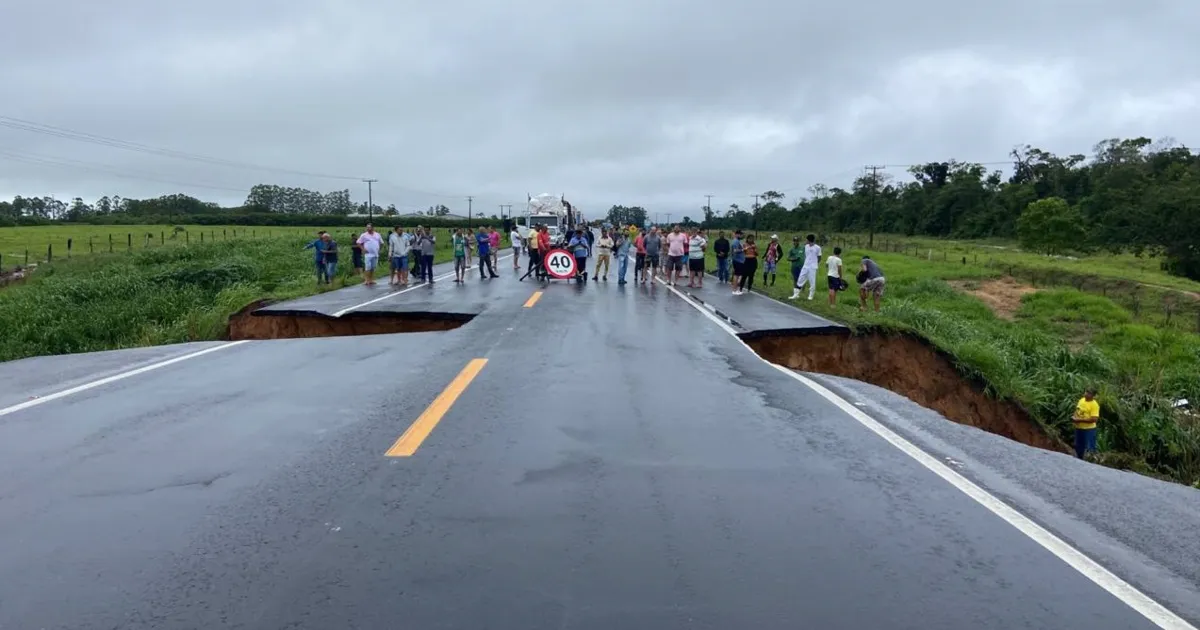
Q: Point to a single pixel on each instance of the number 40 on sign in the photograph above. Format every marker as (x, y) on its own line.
(560, 264)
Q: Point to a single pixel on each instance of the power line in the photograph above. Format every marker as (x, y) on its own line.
(79, 136)
(86, 166)
(116, 143)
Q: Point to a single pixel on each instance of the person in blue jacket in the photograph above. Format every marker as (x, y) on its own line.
(580, 246)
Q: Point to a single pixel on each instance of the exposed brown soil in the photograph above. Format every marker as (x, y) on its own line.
(250, 323)
(910, 367)
(1003, 295)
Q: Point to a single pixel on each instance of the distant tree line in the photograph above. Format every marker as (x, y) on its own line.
(267, 204)
(1132, 195)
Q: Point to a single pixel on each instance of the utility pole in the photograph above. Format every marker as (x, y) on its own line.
(469, 200)
(871, 213)
(755, 216)
(370, 200)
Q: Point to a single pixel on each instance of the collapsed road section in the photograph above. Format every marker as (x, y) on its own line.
(254, 323)
(908, 366)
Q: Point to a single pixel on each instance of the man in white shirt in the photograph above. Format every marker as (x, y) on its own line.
(808, 273)
(696, 246)
(371, 242)
(514, 238)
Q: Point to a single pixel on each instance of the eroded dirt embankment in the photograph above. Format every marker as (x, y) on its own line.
(250, 323)
(910, 367)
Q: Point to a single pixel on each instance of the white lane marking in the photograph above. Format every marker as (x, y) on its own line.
(395, 293)
(1153, 611)
(115, 377)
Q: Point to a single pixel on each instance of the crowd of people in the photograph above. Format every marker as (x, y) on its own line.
(669, 255)
(656, 253)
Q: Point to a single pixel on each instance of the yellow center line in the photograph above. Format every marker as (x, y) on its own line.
(424, 425)
(537, 295)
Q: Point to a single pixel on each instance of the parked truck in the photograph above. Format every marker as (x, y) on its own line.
(552, 211)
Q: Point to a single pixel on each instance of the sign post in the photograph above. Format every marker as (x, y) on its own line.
(560, 264)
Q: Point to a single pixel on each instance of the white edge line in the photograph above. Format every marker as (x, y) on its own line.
(116, 377)
(1153, 611)
(395, 293)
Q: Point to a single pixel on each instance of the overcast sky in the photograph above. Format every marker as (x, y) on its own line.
(641, 102)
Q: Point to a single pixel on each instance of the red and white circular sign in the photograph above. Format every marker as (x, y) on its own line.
(560, 264)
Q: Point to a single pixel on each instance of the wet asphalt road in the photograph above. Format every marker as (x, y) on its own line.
(619, 462)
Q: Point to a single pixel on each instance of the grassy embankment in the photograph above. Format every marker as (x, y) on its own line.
(1043, 346)
(159, 295)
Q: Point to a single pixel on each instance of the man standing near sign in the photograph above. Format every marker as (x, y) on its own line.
(579, 247)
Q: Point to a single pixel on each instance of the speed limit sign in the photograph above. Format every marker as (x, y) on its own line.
(560, 264)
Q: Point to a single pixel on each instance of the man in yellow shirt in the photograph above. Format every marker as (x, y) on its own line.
(1087, 413)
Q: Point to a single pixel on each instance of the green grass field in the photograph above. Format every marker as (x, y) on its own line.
(84, 240)
(1048, 345)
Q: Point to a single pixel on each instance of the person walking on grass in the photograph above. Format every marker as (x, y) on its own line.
(484, 241)
(399, 248)
(808, 273)
(514, 239)
(604, 248)
(356, 256)
(871, 280)
(1087, 414)
(318, 247)
(771, 260)
(330, 257)
(796, 261)
(833, 275)
(697, 245)
(721, 249)
(459, 243)
(749, 265)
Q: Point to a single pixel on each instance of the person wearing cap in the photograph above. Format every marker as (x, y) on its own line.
(771, 260)
(808, 273)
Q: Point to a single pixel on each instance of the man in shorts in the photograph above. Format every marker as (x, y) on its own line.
(873, 282)
(371, 241)
(675, 253)
(399, 246)
(494, 244)
(654, 250)
(837, 283)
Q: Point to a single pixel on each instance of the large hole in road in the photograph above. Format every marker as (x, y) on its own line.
(908, 366)
(252, 323)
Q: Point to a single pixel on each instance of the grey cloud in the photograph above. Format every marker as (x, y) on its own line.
(652, 102)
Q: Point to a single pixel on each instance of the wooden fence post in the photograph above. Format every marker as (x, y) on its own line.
(49, 252)
(129, 241)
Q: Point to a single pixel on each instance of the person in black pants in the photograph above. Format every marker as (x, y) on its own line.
(750, 266)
